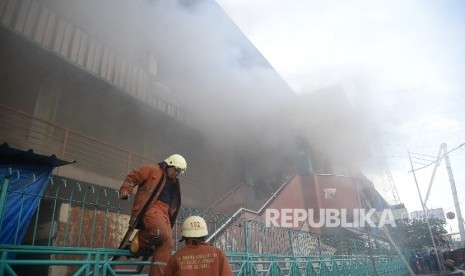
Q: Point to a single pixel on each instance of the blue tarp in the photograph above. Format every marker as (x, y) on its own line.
(27, 174)
(26, 187)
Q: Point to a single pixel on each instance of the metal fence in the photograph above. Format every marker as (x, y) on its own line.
(94, 158)
(23, 131)
(76, 222)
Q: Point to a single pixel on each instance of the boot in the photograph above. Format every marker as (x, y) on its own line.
(135, 246)
(138, 251)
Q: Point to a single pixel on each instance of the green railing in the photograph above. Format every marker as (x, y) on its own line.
(95, 261)
(65, 261)
(77, 228)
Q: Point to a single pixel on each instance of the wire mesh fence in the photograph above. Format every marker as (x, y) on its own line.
(79, 215)
(70, 213)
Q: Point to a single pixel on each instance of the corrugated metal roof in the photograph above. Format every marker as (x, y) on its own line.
(9, 155)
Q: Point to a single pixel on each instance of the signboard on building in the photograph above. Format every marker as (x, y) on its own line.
(437, 213)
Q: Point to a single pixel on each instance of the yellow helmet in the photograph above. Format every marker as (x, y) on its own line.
(194, 227)
(177, 161)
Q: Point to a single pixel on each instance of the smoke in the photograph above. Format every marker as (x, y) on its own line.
(229, 91)
(225, 86)
(343, 139)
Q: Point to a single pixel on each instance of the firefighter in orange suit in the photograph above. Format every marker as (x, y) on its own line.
(198, 258)
(155, 236)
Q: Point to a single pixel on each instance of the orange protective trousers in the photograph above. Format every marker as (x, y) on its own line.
(156, 222)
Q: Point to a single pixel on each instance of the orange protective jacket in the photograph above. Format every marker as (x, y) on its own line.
(198, 260)
(150, 178)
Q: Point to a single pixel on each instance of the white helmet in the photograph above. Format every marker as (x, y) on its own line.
(194, 227)
(177, 161)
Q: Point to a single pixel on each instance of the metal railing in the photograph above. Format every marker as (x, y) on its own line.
(78, 228)
(96, 161)
(23, 131)
(42, 260)
(94, 261)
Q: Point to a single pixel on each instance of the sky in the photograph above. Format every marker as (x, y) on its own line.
(400, 62)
